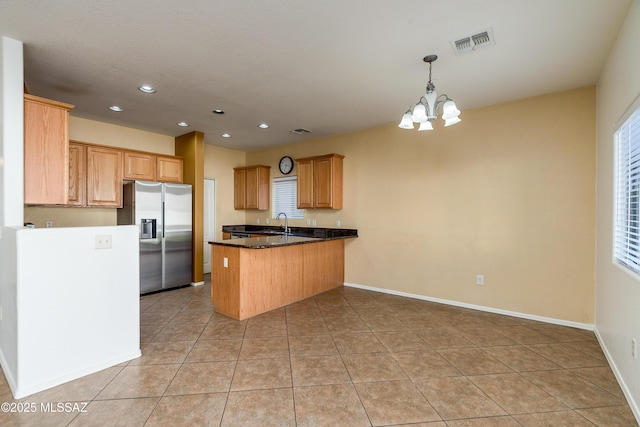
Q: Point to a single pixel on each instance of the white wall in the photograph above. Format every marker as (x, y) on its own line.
(617, 292)
(11, 126)
(11, 191)
(78, 307)
(67, 309)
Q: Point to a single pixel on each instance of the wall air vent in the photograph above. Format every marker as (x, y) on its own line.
(300, 131)
(473, 42)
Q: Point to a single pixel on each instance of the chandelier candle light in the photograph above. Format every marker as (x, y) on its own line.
(426, 110)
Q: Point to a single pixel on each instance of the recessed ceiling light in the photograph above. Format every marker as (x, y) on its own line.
(217, 111)
(183, 124)
(263, 126)
(147, 89)
(226, 135)
(115, 108)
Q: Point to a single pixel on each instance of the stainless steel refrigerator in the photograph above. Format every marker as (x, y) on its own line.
(162, 212)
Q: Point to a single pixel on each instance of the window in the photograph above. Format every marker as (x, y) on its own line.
(285, 197)
(627, 192)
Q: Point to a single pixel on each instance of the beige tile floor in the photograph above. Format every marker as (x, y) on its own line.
(344, 358)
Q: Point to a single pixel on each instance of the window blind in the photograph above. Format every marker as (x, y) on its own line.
(285, 197)
(627, 193)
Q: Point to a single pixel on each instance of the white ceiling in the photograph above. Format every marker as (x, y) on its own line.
(331, 66)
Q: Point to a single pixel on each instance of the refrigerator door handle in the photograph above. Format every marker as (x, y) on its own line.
(163, 222)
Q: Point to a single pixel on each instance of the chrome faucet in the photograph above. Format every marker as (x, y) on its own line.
(286, 222)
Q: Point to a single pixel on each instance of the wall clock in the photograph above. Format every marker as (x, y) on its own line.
(286, 165)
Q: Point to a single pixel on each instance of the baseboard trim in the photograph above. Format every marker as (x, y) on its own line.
(561, 322)
(8, 373)
(197, 283)
(616, 372)
(27, 391)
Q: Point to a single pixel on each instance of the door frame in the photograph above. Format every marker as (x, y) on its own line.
(208, 220)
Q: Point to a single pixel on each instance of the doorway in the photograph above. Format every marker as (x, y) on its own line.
(209, 226)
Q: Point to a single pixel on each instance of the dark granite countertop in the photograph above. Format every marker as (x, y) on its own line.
(267, 241)
(276, 237)
(316, 232)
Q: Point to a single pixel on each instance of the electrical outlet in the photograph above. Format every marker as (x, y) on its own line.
(48, 224)
(313, 222)
(225, 262)
(308, 222)
(337, 223)
(634, 352)
(266, 221)
(479, 279)
(257, 220)
(103, 241)
(0, 313)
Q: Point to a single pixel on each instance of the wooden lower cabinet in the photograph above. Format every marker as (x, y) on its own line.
(104, 177)
(259, 280)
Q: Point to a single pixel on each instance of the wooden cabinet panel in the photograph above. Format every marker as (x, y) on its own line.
(139, 165)
(169, 169)
(328, 182)
(320, 182)
(258, 280)
(305, 184)
(104, 177)
(77, 174)
(60, 172)
(46, 151)
(323, 266)
(239, 184)
(251, 187)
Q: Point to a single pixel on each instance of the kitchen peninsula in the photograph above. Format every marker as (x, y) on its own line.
(254, 275)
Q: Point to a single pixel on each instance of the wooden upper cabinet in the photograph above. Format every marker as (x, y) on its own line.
(77, 174)
(252, 190)
(46, 151)
(104, 177)
(169, 169)
(320, 182)
(239, 188)
(139, 165)
(251, 187)
(305, 183)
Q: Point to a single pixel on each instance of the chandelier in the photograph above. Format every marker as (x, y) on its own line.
(426, 110)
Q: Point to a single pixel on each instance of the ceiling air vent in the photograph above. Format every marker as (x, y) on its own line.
(473, 42)
(300, 131)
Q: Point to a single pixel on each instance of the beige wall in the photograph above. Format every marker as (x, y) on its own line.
(218, 164)
(617, 291)
(119, 136)
(509, 193)
(104, 134)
